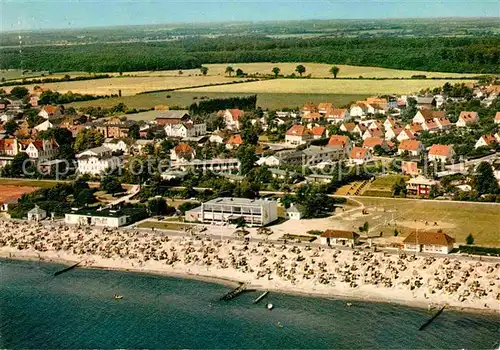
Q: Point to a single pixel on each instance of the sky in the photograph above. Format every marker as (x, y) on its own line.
(47, 14)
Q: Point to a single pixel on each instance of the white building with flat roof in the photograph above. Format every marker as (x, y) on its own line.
(91, 217)
(256, 212)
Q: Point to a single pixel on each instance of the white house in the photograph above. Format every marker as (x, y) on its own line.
(185, 129)
(298, 135)
(339, 237)
(95, 161)
(232, 117)
(341, 141)
(360, 155)
(46, 125)
(429, 242)
(294, 212)
(99, 217)
(405, 134)
(413, 147)
(182, 152)
(486, 141)
(49, 111)
(443, 153)
(36, 214)
(117, 145)
(467, 119)
(42, 150)
(337, 115)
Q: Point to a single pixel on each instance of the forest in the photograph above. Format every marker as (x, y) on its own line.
(479, 54)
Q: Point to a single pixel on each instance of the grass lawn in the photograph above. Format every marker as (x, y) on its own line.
(330, 86)
(298, 237)
(30, 182)
(183, 99)
(163, 225)
(382, 186)
(456, 219)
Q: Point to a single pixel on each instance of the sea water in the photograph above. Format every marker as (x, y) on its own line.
(77, 310)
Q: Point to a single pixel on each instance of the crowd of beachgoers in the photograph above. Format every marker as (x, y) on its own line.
(311, 269)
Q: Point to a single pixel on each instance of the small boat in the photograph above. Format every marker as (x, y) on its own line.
(270, 306)
(349, 304)
(117, 297)
(279, 325)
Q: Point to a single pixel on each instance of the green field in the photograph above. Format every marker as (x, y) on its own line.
(163, 225)
(29, 182)
(382, 186)
(183, 99)
(458, 219)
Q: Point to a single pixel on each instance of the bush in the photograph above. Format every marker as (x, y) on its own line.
(475, 250)
(470, 239)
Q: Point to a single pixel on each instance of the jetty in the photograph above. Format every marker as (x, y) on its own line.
(57, 273)
(260, 297)
(429, 321)
(235, 292)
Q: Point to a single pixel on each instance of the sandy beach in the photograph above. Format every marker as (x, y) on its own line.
(328, 272)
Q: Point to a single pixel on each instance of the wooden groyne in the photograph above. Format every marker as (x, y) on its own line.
(235, 292)
(57, 273)
(260, 297)
(429, 321)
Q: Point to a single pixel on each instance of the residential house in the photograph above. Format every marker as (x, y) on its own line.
(118, 145)
(49, 112)
(426, 102)
(234, 141)
(298, 135)
(217, 137)
(115, 128)
(312, 118)
(96, 160)
(294, 212)
(443, 153)
(373, 133)
(429, 242)
(318, 132)
(393, 132)
(389, 123)
(347, 127)
(185, 129)
(420, 186)
(46, 125)
(410, 168)
(405, 134)
(34, 100)
(315, 155)
(380, 102)
(486, 141)
(359, 109)
(172, 117)
(467, 119)
(182, 152)
(497, 118)
(339, 237)
(360, 155)
(140, 146)
(372, 142)
(324, 107)
(337, 115)
(232, 118)
(9, 147)
(42, 150)
(375, 124)
(308, 108)
(7, 116)
(413, 147)
(341, 141)
(36, 214)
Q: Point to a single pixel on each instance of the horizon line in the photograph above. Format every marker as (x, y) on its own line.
(185, 23)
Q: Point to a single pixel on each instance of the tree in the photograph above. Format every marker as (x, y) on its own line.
(334, 70)
(300, 69)
(134, 132)
(204, 70)
(11, 127)
(19, 92)
(87, 138)
(484, 180)
(158, 206)
(110, 184)
(247, 157)
(229, 70)
(84, 197)
(469, 239)
(239, 72)
(276, 71)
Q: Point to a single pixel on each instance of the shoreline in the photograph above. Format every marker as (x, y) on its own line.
(20, 256)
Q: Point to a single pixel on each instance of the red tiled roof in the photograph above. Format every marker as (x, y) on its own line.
(497, 116)
(298, 130)
(468, 117)
(325, 105)
(440, 150)
(236, 114)
(409, 145)
(358, 153)
(429, 238)
(338, 140)
(409, 167)
(349, 126)
(318, 130)
(50, 109)
(336, 112)
(371, 142)
(489, 139)
(183, 148)
(235, 140)
(313, 115)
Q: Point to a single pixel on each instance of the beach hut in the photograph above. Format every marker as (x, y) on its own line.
(339, 237)
(294, 212)
(37, 214)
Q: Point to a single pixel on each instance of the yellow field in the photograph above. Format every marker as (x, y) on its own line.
(131, 85)
(329, 86)
(318, 70)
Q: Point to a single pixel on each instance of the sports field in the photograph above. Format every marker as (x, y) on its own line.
(330, 86)
(132, 85)
(318, 70)
(14, 192)
(183, 99)
(458, 219)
